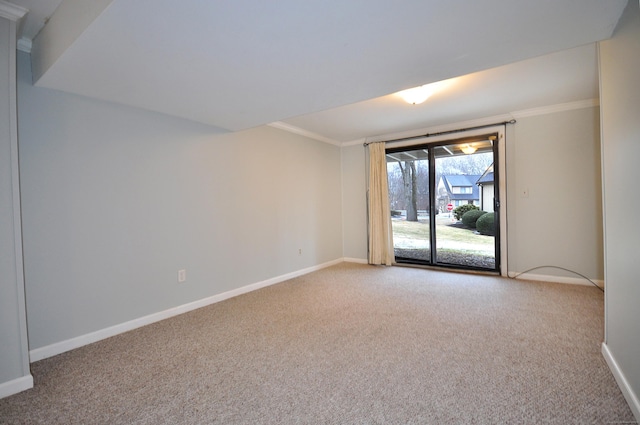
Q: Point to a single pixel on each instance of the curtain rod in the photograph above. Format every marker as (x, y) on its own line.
(403, 139)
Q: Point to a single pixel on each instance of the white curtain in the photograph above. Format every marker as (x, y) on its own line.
(380, 233)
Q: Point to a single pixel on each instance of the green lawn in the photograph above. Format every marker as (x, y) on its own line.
(415, 235)
(420, 230)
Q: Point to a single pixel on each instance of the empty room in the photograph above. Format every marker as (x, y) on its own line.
(319, 212)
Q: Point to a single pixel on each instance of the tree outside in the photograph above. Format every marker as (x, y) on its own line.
(409, 180)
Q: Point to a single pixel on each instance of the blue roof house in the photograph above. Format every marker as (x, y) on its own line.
(458, 190)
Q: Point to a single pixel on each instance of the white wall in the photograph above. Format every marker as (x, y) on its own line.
(354, 198)
(557, 157)
(620, 102)
(14, 360)
(116, 200)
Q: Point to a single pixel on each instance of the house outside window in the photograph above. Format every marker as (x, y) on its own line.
(457, 190)
(462, 189)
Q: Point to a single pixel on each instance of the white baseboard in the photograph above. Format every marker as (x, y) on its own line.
(527, 276)
(556, 279)
(70, 344)
(356, 260)
(627, 391)
(15, 386)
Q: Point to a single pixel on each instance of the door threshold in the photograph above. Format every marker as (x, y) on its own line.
(452, 269)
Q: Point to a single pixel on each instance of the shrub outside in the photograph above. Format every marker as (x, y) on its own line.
(485, 224)
(459, 211)
(470, 217)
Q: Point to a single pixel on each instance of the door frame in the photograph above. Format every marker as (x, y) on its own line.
(499, 169)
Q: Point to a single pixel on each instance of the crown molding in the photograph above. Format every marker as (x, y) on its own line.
(560, 107)
(550, 109)
(302, 132)
(11, 11)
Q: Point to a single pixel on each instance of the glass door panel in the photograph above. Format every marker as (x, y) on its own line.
(465, 181)
(408, 174)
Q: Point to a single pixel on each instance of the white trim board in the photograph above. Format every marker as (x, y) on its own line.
(627, 391)
(561, 107)
(554, 279)
(25, 45)
(77, 342)
(526, 276)
(16, 386)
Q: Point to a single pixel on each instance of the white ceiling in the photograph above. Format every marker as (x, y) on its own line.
(558, 78)
(316, 65)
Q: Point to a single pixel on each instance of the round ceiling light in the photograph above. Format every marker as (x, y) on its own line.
(417, 95)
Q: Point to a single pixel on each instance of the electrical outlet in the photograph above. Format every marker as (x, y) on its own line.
(182, 276)
(299, 251)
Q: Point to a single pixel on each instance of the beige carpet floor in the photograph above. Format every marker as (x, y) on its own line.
(350, 344)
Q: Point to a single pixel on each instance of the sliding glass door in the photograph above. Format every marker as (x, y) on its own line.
(443, 203)
(408, 175)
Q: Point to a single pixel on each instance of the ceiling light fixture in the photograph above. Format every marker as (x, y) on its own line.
(468, 149)
(417, 95)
